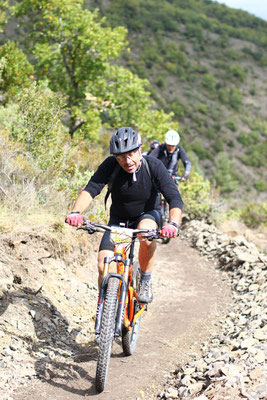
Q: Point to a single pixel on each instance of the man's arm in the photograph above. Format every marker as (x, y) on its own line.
(185, 160)
(82, 202)
(75, 218)
(176, 215)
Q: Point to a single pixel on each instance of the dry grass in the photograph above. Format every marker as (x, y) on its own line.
(235, 227)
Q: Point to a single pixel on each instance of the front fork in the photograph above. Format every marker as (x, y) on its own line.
(123, 293)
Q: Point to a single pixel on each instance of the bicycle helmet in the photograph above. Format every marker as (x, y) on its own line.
(154, 144)
(172, 138)
(123, 140)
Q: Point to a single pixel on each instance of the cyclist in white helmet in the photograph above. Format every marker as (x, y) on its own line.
(170, 153)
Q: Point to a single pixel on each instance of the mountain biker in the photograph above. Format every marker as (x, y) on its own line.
(170, 153)
(134, 201)
(153, 145)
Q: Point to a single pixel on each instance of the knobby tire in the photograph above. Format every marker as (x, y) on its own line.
(106, 334)
(130, 338)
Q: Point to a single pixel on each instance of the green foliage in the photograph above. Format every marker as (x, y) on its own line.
(248, 138)
(230, 124)
(3, 13)
(235, 72)
(223, 95)
(260, 185)
(202, 108)
(256, 155)
(73, 185)
(225, 178)
(178, 109)
(15, 69)
(72, 50)
(209, 82)
(157, 123)
(196, 195)
(235, 99)
(200, 151)
(254, 214)
(41, 130)
(218, 145)
(123, 100)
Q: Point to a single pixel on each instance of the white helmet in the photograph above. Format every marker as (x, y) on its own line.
(172, 138)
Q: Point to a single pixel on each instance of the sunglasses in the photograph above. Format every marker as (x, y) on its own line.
(130, 154)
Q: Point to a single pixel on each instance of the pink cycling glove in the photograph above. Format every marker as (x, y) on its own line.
(169, 231)
(74, 219)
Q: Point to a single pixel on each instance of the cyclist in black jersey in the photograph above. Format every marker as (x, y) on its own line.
(170, 153)
(153, 145)
(135, 200)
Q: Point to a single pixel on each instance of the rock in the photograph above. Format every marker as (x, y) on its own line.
(172, 393)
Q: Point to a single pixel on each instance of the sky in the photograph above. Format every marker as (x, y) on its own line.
(255, 7)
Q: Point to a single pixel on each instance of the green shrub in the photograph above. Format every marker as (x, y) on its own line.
(235, 99)
(231, 125)
(223, 95)
(198, 148)
(41, 129)
(202, 108)
(256, 155)
(196, 195)
(209, 82)
(15, 69)
(260, 185)
(254, 215)
(236, 72)
(218, 145)
(226, 181)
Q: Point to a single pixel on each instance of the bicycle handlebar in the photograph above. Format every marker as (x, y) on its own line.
(92, 227)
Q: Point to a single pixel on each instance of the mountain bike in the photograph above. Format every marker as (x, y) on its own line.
(164, 208)
(118, 311)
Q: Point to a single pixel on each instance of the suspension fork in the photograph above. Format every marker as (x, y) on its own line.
(123, 292)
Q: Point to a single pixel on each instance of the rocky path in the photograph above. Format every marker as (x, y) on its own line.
(207, 323)
(233, 361)
(190, 297)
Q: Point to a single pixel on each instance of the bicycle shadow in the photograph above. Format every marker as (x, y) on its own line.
(58, 357)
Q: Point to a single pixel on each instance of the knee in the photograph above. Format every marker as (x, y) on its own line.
(148, 244)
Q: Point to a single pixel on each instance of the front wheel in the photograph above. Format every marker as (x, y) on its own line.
(106, 334)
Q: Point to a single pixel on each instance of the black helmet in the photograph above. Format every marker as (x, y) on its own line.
(123, 140)
(154, 144)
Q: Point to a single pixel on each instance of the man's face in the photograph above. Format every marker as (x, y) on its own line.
(130, 161)
(170, 149)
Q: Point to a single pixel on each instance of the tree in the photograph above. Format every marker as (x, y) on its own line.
(76, 53)
(72, 49)
(15, 69)
(3, 15)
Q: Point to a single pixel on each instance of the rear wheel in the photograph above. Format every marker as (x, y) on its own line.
(130, 338)
(106, 334)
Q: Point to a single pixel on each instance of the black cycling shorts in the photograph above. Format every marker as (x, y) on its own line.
(106, 244)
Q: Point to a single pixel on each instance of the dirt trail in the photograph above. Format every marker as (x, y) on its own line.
(189, 296)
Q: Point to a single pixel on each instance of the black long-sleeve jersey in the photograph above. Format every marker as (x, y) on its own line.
(130, 199)
(170, 160)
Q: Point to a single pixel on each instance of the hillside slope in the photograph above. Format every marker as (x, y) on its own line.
(207, 64)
